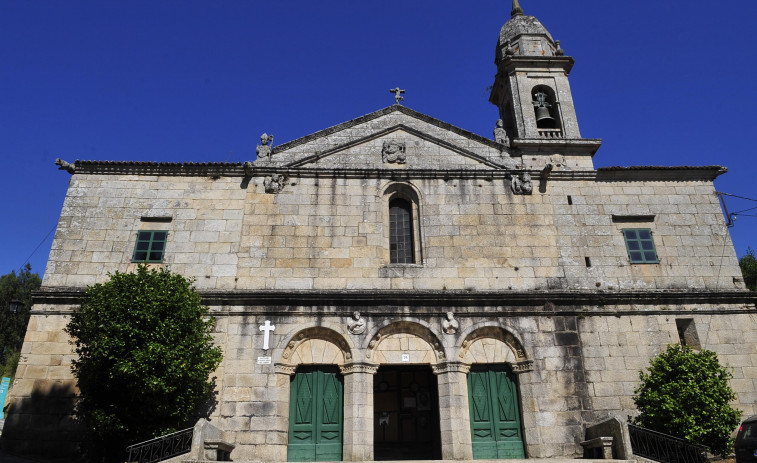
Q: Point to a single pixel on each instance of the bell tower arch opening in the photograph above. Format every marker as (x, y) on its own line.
(545, 108)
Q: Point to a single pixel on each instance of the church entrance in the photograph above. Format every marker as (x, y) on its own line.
(315, 415)
(406, 409)
(494, 413)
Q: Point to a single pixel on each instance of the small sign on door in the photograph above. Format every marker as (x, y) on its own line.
(405, 357)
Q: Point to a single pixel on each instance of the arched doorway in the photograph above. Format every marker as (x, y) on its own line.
(406, 423)
(316, 395)
(493, 395)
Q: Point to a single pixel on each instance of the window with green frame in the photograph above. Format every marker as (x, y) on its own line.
(640, 246)
(150, 246)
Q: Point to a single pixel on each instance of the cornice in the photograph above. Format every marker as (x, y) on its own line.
(470, 303)
(571, 146)
(405, 128)
(659, 173)
(382, 112)
(603, 174)
(185, 169)
(519, 62)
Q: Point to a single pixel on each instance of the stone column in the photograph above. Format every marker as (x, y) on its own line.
(358, 411)
(527, 383)
(279, 423)
(454, 414)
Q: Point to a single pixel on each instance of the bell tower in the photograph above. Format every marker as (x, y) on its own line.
(531, 88)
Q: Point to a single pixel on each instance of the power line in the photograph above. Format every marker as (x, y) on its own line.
(737, 196)
(38, 246)
(744, 210)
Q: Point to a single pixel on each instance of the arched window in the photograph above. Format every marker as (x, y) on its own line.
(545, 107)
(401, 247)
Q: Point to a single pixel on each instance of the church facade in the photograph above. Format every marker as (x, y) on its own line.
(395, 285)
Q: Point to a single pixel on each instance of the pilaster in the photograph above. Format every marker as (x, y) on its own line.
(358, 411)
(454, 414)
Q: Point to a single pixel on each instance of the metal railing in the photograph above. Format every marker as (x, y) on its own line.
(664, 448)
(161, 448)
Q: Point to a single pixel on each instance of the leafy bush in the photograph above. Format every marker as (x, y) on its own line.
(15, 287)
(686, 394)
(145, 356)
(748, 264)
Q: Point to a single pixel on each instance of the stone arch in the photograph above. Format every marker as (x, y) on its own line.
(316, 345)
(405, 337)
(493, 344)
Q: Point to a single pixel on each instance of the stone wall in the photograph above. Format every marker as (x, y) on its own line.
(574, 368)
(582, 369)
(39, 416)
(332, 233)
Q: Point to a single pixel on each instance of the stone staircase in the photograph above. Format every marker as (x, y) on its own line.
(530, 460)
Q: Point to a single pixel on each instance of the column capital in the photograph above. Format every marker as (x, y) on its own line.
(284, 369)
(358, 367)
(450, 367)
(522, 367)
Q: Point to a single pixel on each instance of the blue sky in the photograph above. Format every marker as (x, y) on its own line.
(662, 83)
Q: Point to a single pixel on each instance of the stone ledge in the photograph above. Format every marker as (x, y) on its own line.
(517, 302)
(530, 460)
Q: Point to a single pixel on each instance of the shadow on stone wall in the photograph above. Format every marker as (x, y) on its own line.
(41, 423)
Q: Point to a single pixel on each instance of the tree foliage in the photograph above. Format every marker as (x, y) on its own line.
(145, 356)
(17, 287)
(748, 264)
(687, 394)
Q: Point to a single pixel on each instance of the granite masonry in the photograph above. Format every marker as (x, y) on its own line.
(410, 277)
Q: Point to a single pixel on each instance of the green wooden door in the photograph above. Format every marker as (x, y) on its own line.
(315, 416)
(494, 414)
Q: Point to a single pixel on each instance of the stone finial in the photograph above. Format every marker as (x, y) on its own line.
(517, 10)
(264, 148)
(500, 134)
(63, 165)
(397, 94)
(559, 51)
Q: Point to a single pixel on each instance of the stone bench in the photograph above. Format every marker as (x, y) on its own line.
(599, 447)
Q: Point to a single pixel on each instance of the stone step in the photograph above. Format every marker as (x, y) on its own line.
(530, 460)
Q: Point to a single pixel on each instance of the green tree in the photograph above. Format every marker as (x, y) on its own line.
(145, 356)
(15, 287)
(748, 264)
(686, 394)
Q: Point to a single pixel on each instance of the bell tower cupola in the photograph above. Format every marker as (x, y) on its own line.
(531, 88)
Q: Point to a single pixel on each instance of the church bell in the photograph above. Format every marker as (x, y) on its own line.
(541, 107)
(543, 118)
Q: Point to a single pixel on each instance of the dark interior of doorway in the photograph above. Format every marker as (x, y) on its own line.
(406, 414)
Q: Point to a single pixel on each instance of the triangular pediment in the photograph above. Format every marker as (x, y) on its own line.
(394, 137)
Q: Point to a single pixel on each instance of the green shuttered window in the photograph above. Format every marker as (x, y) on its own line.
(640, 246)
(150, 246)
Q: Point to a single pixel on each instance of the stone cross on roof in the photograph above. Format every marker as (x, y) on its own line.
(397, 92)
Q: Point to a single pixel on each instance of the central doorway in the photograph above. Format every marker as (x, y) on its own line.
(406, 414)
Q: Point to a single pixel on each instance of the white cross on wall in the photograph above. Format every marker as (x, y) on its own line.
(266, 329)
